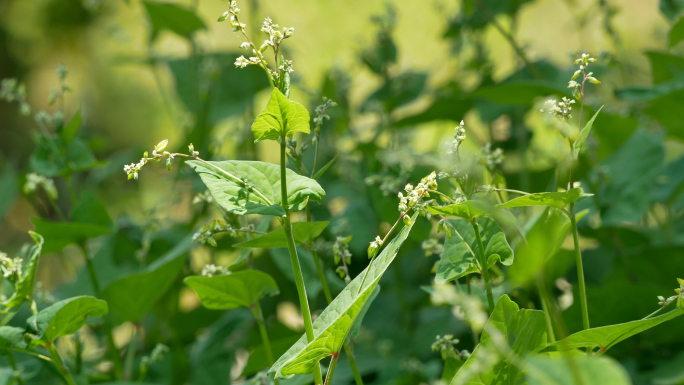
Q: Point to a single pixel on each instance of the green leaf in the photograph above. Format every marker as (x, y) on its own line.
(560, 370)
(356, 328)
(131, 297)
(301, 231)
(677, 32)
(174, 18)
(523, 92)
(89, 209)
(58, 235)
(323, 169)
(554, 199)
(584, 133)
(606, 337)
(282, 117)
(63, 318)
(240, 289)
(671, 8)
(262, 177)
(70, 131)
(466, 210)
(524, 333)
(12, 336)
(461, 251)
(24, 288)
(7, 376)
(331, 327)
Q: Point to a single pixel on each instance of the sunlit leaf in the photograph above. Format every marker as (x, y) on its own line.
(63, 318)
(301, 231)
(262, 177)
(554, 199)
(331, 327)
(239, 289)
(282, 117)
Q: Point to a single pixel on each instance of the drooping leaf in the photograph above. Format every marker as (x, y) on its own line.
(560, 370)
(554, 199)
(172, 17)
(466, 210)
(301, 231)
(606, 337)
(131, 297)
(331, 327)
(70, 131)
(63, 318)
(281, 117)
(240, 289)
(262, 177)
(584, 134)
(524, 333)
(461, 251)
(24, 288)
(11, 336)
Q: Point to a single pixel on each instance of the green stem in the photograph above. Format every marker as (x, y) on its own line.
(259, 317)
(57, 360)
(349, 350)
(13, 364)
(580, 270)
(294, 258)
(483, 264)
(30, 353)
(545, 299)
(331, 370)
(130, 354)
(113, 351)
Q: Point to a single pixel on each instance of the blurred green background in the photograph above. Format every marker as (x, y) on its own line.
(404, 74)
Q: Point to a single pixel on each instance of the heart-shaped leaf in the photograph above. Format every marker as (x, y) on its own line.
(584, 133)
(461, 251)
(63, 318)
(606, 337)
(554, 199)
(24, 288)
(301, 231)
(331, 327)
(240, 289)
(282, 117)
(522, 331)
(132, 296)
(249, 187)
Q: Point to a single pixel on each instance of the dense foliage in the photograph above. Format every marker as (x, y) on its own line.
(299, 236)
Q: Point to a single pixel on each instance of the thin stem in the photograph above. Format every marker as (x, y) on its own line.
(331, 369)
(483, 264)
(111, 346)
(349, 350)
(655, 312)
(30, 353)
(545, 299)
(259, 317)
(130, 354)
(61, 368)
(580, 270)
(294, 258)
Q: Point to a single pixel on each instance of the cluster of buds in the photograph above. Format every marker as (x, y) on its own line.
(35, 181)
(10, 267)
(158, 153)
(374, 247)
(342, 255)
(578, 87)
(415, 195)
(679, 297)
(321, 116)
(297, 153)
(156, 355)
(275, 37)
(491, 159)
(561, 109)
(432, 247)
(243, 62)
(459, 137)
(445, 226)
(446, 346)
(11, 90)
(232, 14)
(211, 270)
(205, 235)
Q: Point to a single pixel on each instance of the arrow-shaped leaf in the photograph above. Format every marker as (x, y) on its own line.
(249, 187)
(584, 133)
(555, 199)
(301, 231)
(281, 117)
(461, 251)
(234, 290)
(331, 327)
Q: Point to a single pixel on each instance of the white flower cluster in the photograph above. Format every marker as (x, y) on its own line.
(133, 169)
(459, 137)
(243, 62)
(577, 87)
(561, 109)
(232, 13)
(275, 36)
(491, 159)
(414, 195)
(211, 270)
(34, 181)
(10, 267)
